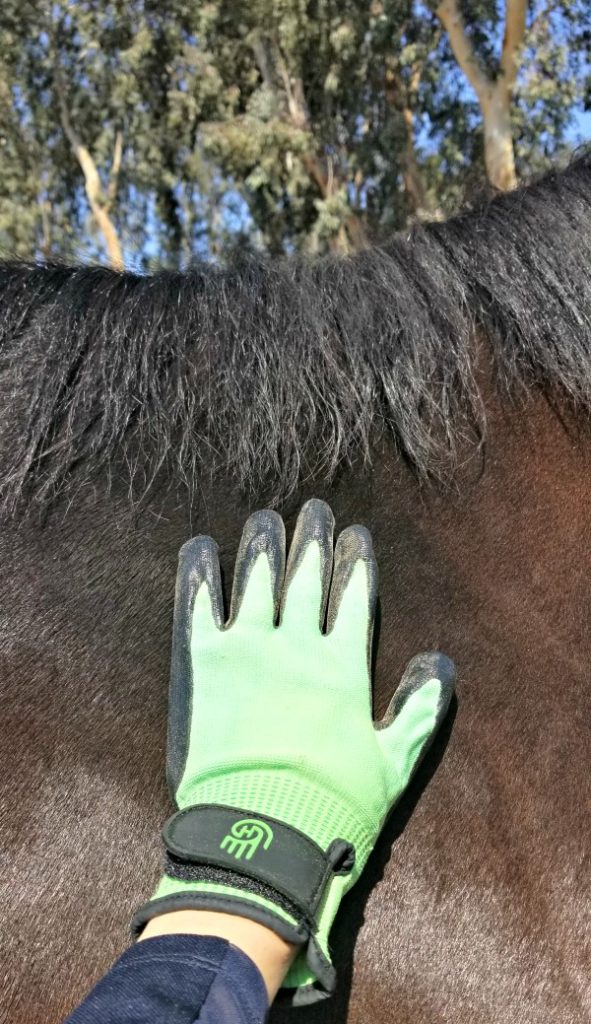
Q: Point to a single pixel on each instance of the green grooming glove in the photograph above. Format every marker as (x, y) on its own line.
(281, 779)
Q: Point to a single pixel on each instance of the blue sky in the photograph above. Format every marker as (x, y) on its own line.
(582, 126)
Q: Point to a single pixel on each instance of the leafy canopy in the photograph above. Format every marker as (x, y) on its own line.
(283, 125)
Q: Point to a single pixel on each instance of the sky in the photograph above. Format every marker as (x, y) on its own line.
(582, 126)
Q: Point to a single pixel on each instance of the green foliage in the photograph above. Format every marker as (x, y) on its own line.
(555, 75)
(294, 124)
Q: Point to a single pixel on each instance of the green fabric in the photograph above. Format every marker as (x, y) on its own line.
(280, 717)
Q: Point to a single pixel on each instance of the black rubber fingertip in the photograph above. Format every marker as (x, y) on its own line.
(264, 532)
(197, 546)
(353, 545)
(424, 666)
(315, 524)
(432, 665)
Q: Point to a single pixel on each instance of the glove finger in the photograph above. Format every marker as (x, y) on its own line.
(309, 567)
(415, 712)
(259, 569)
(198, 610)
(353, 594)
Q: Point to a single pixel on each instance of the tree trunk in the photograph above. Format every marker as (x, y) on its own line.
(421, 207)
(494, 95)
(109, 233)
(499, 156)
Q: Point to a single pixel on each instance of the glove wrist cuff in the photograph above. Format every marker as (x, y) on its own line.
(255, 853)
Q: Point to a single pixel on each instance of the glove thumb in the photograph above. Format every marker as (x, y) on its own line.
(415, 713)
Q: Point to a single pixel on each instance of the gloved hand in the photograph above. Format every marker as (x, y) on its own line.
(282, 780)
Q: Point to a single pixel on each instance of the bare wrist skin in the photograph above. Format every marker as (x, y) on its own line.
(268, 951)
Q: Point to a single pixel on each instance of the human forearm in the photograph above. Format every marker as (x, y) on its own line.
(268, 951)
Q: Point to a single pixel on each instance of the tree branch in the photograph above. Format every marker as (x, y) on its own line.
(296, 100)
(401, 96)
(261, 56)
(115, 169)
(515, 11)
(89, 170)
(275, 74)
(92, 181)
(450, 17)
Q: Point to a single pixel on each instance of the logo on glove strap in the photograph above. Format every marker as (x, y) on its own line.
(245, 837)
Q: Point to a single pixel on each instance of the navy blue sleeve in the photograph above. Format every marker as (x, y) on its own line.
(177, 979)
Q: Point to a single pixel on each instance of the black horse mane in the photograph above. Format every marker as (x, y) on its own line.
(274, 370)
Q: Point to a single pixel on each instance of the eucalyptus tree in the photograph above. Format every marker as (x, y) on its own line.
(152, 132)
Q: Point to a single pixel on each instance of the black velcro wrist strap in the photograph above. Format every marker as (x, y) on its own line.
(258, 848)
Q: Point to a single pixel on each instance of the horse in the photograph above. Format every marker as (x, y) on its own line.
(437, 389)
